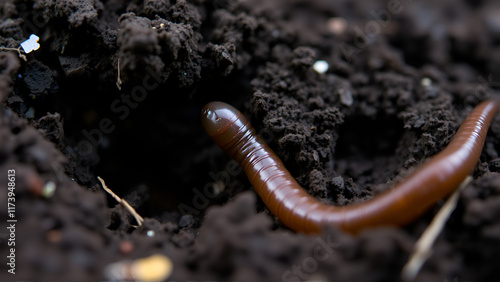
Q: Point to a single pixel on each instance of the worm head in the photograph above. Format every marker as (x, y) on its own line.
(217, 117)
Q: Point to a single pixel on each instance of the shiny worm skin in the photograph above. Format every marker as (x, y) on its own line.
(293, 206)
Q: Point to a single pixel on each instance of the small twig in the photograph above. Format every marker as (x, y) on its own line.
(422, 249)
(119, 79)
(137, 217)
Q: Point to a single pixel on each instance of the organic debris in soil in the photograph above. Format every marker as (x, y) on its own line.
(116, 89)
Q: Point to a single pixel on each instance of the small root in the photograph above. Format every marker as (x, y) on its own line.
(19, 51)
(137, 217)
(423, 247)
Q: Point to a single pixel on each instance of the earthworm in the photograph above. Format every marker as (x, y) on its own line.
(294, 207)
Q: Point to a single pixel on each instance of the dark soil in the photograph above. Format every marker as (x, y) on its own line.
(402, 76)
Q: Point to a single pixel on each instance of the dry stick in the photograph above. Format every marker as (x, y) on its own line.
(422, 250)
(137, 217)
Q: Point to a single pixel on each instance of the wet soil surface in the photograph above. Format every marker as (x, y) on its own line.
(116, 90)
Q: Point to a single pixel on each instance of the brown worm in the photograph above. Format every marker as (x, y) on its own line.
(292, 205)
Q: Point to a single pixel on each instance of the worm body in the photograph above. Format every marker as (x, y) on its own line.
(292, 205)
